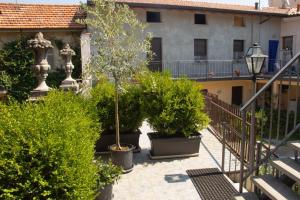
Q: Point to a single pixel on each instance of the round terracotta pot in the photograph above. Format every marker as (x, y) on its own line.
(123, 158)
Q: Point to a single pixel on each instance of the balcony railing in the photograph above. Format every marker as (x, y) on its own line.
(203, 69)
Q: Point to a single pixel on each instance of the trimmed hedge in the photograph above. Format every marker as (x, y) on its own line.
(47, 149)
(173, 107)
(130, 106)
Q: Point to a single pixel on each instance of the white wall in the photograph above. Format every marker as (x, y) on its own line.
(178, 32)
(291, 27)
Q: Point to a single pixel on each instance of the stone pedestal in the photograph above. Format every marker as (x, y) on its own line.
(69, 84)
(40, 46)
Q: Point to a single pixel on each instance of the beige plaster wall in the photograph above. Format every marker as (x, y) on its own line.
(73, 38)
(224, 89)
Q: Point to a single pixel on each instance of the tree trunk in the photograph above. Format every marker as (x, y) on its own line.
(117, 116)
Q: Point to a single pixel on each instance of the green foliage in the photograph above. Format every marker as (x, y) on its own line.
(47, 149)
(15, 64)
(173, 107)
(107, 173)
(130, 104)
(121, 42)
(119, 38)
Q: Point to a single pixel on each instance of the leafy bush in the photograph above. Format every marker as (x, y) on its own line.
(173, 107)
(130, 106)
(15, 65)
(47, 149)
(108, 173)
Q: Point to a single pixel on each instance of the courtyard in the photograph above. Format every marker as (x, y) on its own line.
(167, 179)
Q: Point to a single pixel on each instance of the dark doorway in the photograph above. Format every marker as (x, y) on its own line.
(237, 95)
(156, 48)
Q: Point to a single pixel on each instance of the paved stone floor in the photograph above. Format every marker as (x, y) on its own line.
(166, 179)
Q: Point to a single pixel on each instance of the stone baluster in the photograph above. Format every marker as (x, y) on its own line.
(69, 83)
(40, 46)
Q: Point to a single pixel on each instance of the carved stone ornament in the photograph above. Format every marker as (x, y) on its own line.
(40, 46)
(69, 83)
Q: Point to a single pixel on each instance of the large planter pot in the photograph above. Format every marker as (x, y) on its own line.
(105, 193)
(174, 147)
(123, 158)
(109, 138)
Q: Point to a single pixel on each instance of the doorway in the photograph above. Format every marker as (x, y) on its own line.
(156, 48)
(237, 95)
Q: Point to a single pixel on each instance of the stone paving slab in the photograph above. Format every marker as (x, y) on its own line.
(166, 179)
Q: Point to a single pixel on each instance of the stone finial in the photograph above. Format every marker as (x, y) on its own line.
(40, 46)
(69, 83)
(39, 42)
(67, 51)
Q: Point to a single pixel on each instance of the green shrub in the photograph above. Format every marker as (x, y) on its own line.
(15, 64)
(47, 149)
(108, 173)
(130, 106)
(173, 107)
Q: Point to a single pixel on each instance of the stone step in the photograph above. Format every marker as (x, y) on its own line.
(274, 189)
(245, 196)
(288, 167)
(295, 145)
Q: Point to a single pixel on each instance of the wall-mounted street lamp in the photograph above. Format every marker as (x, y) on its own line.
(255, 60)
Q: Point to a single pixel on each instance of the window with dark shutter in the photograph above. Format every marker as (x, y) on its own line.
(287, 43)
(238, 49)
(200, 19)
(200, 49)
(153, 17)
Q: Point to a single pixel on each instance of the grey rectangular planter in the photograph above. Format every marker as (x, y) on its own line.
(108, 139)
(173, 147)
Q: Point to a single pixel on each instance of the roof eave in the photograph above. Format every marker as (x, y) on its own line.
(48, 29)
(162, 6)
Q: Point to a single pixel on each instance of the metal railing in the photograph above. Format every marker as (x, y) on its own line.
(226, 121)
(276, 122)
(202, 69)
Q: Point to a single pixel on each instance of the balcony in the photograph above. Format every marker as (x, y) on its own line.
(203, 69)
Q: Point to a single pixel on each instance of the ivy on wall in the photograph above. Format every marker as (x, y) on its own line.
(15, 66)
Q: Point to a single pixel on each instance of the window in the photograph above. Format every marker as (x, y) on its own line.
(200, 19)
(287, 43)
(200, 49)
(153, 17)
(238, 49)
(239, 21)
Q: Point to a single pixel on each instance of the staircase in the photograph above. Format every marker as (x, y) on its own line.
(266, 175)
(272, 186)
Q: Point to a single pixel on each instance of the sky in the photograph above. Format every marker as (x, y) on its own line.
(245, 2)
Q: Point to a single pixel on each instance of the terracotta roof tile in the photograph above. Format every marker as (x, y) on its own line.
(40, 16)
(188, 4)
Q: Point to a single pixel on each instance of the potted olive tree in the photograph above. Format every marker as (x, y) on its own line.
(130, 113)
(175, 110)
(121, 46)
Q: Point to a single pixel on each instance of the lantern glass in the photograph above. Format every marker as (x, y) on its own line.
(255, 59)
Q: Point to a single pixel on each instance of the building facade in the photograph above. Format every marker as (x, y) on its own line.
(207, 42)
